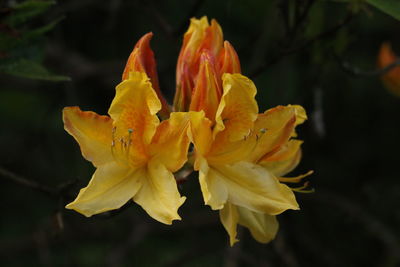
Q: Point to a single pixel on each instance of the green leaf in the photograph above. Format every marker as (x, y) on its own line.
(391, 7)
(30, 69)
(26, 10)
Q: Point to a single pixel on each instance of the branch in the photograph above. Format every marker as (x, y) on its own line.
(305, 44)
(355, 71)
(28, 183)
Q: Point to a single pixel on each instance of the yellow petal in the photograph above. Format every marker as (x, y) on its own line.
(171, 142)
(134, 111)
(250, 186)
(229, 218)
(111, 186)
(263, 227)
(284, 160)
(92, 132)
(237, 110)
(159, 195)
(274, 128)
(207, 91)
(142, 60)
(200, 133)
(215, 192)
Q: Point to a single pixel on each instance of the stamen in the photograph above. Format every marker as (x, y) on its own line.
(301, 188)
(296, 179)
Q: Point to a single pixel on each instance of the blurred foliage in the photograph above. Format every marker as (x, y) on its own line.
(294, 50)
(21, 42)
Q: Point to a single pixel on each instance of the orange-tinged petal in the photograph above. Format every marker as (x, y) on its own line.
(284, 160)
(92, 132)
(201, 36)
(142, 60)
(248, 185)
(238, 108)
(207, 91)
(159, 195)
(134, 111)
(171, 142)
(392, 78)
(111, 186)
(274, 128)
(229, 60)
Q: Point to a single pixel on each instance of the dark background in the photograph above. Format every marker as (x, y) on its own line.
(351, 137)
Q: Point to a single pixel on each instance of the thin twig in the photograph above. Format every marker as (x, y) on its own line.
(28, 183)
(305, 44)
(355, 71)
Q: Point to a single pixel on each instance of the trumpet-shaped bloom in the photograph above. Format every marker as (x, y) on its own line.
(391, 79)
(135, 155)
(240, 154)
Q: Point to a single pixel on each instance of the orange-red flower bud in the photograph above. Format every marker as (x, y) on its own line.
(391, 79)
(142, 60)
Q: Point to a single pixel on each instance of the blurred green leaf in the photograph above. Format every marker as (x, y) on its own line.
(26, 10)
(391, 7)
(30, 69)
(8, 42)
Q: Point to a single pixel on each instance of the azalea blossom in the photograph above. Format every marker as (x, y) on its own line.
(241, 155)
(391, 79)
(135, 155)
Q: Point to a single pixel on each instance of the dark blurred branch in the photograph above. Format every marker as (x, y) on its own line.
(305, 44)
(28, 183)
(58, 191)
(373, 224)
(355, 71)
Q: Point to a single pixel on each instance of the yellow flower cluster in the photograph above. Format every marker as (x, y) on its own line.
(241, 155)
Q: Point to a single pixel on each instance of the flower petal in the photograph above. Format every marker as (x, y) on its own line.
(229, 218)
(250, 186)
(207, 91)
(215, 192)
(229, 60)
(92, 132)
(159, 195)
(170, 144)
(200, 133)
(238, 108)
(134, 111)
(142, 60)
(201, 36)
(274, 128)
(284, 160)
(111, 186)
(263, 227)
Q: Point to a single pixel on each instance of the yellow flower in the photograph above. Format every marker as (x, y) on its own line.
(135, 155)
(391, 79)
(240, 154)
